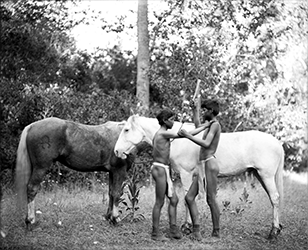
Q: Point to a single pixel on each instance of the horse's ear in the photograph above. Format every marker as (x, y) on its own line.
(122, 123)
(134, 111)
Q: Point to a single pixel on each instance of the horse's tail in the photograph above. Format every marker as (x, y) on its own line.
(279, 176)
(23, 169)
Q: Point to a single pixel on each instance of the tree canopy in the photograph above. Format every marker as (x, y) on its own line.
(251, 55)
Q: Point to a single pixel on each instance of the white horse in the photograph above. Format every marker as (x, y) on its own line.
(236, 153)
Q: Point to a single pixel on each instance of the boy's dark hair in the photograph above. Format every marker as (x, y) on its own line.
(164, 114)
(211, 105)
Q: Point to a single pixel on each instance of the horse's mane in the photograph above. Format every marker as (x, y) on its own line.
(133, 120)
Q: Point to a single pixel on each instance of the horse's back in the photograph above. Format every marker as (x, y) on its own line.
(248, 149)
(51, 123)
(252, 141)
(79, 146)
(235, 153)
(46, 138)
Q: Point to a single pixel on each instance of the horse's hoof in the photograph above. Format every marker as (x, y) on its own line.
(107, 217)
(112, 220)
(215, 233)
(274, 232)
(29, 224)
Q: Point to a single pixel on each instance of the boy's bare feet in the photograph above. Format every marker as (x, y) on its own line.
(215, 233)
(175, 233)
(156, 235)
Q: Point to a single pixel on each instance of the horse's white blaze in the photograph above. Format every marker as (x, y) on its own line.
(31, 212)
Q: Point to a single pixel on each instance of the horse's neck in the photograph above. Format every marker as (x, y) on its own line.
(150, 127)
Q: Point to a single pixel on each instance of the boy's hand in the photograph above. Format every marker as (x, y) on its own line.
(183, 133)
(207, 124)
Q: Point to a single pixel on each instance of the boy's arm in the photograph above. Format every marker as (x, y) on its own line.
(170, 135)
(203, 143)
(195, 105)
(174, 135)
(200, 128)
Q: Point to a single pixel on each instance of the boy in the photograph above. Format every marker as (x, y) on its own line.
(210, 169)
(161, 174)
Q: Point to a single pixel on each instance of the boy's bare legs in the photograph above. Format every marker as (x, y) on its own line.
(159, 176)
(211, 173)
(174, 230)
(190, 199)
(172, 209)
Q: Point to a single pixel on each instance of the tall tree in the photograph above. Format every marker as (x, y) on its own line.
(143, 58)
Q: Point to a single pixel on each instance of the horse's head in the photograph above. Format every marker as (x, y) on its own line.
(131, 135)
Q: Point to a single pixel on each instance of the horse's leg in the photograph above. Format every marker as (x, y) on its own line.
(186, 179)
(110, 200)
(186, 227)
(186, 213)
(269, 185)
(114, 197)
(117, 176)
(33, 187)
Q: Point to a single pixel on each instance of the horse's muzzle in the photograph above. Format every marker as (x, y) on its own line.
(121, 155)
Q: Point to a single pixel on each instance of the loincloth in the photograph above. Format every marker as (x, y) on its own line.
(208, 158)
(169, 181)
(202, 170)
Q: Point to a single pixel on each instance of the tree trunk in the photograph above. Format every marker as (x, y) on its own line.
(143, 61)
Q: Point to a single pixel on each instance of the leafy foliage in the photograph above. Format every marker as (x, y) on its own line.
(32, 38)
(114, 70)
(133, 195)
(238, 49)
(251, 55)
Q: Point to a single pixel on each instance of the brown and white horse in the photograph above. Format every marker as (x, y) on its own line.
(80, 147)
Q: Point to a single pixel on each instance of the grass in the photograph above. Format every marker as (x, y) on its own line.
(74, 219)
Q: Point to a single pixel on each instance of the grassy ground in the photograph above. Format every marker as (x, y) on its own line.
(73, 219)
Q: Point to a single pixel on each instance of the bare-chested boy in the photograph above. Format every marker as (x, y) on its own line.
(161, 174)
(210, 169)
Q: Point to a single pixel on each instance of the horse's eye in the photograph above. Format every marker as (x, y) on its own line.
(126, 130)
